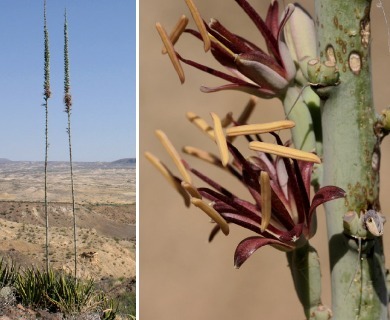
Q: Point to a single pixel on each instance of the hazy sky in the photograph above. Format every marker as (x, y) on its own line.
(102, 49)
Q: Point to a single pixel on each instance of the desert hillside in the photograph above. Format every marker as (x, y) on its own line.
(105, 210)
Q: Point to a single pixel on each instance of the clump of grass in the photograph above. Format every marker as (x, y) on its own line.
(8, 273)
(54, 291)
(32, 287)
(72, 297)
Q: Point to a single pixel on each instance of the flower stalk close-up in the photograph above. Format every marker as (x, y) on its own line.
(309, 135)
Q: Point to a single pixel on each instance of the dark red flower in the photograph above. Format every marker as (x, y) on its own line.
(264, 73)
(289, 222)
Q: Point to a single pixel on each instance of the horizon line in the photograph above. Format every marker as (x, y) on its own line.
(4, 160)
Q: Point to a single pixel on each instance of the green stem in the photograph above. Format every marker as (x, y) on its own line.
(46, 202)
(349, 143)
(305, 270)
(296, 110)
(73, 197)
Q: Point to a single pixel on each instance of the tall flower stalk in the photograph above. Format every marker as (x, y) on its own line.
(46, 96)
(68, 109)
(320, 69)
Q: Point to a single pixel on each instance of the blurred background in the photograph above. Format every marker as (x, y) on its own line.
(181, 275)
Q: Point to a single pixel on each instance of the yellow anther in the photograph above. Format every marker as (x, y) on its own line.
(212, 213)
(173, 181)
(201, 124)
(220, 140)
(199, 23)
(283, 151)
(173, 154)
(171, 51)
(177, 31)
(191, 190)
(259, 128)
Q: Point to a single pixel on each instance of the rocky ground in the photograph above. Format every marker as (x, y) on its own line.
(106, 230)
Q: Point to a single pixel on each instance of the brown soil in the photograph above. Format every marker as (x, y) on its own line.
(106, 229)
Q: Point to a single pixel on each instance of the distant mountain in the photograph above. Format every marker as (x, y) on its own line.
(124, 161)
(5, 160)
